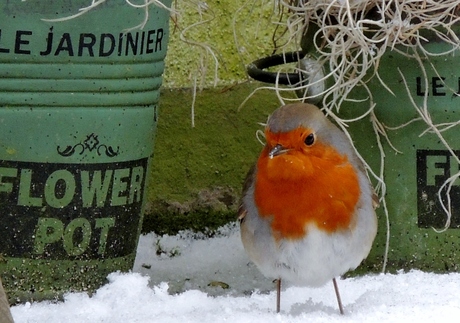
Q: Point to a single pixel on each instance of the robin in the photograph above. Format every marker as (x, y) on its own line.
(307, 209)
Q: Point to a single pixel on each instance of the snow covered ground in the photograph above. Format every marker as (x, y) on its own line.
(185, 278)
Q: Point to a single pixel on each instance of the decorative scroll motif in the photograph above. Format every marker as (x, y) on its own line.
(91, 144)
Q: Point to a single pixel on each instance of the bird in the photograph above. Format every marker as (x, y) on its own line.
(307, 210)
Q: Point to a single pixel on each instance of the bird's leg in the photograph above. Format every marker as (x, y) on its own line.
(339, 301)
(278, 295)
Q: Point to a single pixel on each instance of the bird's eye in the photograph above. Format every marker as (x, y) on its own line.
(310, 140)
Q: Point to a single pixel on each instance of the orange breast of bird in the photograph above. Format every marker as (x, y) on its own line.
(306, 185)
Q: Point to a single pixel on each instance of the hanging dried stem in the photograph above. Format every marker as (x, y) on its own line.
(94, 3)
(352, 36)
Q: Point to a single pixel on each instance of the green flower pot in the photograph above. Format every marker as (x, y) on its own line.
(78, 112)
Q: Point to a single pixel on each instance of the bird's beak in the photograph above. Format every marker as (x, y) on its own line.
(277, 150)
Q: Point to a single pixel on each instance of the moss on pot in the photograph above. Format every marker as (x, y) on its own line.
(197, 172)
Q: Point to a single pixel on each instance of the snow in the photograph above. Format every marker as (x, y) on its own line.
(190, 278)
